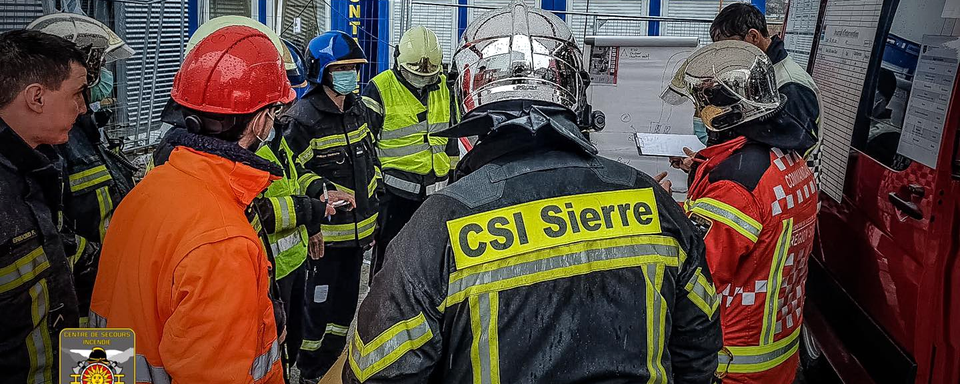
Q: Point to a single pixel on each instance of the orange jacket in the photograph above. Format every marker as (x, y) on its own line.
(183, 268)
(758, 208)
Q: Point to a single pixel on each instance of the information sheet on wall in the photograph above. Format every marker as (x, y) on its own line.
(626, 86)
(929, 100)
(849, 29)
(800, 27)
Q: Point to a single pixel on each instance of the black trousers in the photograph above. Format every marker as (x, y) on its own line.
(292, 294)
(333, 287)
(395, 212)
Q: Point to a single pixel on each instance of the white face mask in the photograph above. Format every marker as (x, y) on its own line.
(417, 81)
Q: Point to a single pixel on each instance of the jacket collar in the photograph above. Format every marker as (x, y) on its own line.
(207, 158)
(18, 154)
(777, 52)
(324, 104)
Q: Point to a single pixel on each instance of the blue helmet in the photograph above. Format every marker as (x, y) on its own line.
(298, 76)
(332, 47)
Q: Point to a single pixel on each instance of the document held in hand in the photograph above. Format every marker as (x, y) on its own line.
(666, 144)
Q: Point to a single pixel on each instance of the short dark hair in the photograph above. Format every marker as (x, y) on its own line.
(28, 57)
(738, 19)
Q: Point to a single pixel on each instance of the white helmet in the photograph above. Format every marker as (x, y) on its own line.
(96, 40)
(419, 56)
(730, 82)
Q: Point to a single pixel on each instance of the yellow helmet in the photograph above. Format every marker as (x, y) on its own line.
(419, 51)
(223, 21)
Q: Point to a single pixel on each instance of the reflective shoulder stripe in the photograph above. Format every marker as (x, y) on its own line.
(374, 105)
(401, 184)
(763, 358)
(147, 373)
(367, 359)
(97, 321)
(88, 178)
(262, 364)
(23, 270)
(727, 214)
(771, 305)
(702, 293)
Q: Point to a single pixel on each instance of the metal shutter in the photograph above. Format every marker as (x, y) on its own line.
(442, 20)
(229, 7)
(698, 9)
(16, 14)
(158, 33)
(600, 26)
(313, 20)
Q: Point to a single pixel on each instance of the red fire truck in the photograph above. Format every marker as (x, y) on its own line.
(883, 293)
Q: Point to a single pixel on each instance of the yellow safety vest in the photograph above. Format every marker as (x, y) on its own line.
(289, 243)
(405, 143)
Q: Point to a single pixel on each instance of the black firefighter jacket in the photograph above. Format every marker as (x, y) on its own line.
(339, 147)
(541, 266)
(37, 294)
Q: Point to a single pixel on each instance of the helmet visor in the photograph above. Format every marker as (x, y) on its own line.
(424, 67)
(672, 96)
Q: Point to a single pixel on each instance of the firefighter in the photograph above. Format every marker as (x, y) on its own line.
(545, 263)
(755, 200)
(744, 22)
(41, 96)
(164, 272)
(328, 134)
(98, 176)
(410, 102)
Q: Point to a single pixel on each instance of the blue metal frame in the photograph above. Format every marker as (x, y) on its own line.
(262, 13)
(761, 5)
(462, 18)
(555, 5)
(193, 16)
(383, 48)
(653, 27)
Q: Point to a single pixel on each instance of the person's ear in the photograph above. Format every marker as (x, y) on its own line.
(753, 36)
(34, 95)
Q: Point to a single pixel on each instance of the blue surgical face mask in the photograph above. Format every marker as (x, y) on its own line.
(344, 82)
(700, 130)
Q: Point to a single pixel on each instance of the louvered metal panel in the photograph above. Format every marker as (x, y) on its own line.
(16, 14)
(607, 26)
(158, 33)
(699, 9)
(442, 20)
(229, 7)
(314, 19)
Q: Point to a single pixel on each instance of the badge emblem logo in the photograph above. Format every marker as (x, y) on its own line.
(97, 356)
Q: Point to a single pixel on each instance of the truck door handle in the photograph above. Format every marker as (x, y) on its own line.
(907, 207)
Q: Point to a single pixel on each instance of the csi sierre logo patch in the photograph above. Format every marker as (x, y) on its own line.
(541, 224)
(97, 356)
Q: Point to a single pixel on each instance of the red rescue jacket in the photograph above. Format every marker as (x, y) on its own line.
(757, 206)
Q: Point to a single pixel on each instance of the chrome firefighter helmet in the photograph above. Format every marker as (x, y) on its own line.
(97, 41)
(519, 53)
(730, 83)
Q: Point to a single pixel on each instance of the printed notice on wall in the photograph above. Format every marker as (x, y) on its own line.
(800, 27)
(929, 100)
(849, 29)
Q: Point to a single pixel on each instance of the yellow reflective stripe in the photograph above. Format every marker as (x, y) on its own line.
(656, 321)
(289, 213)
(342, 188)
(256, 223)
(277, 213)
(349, 231)
(86, 178)
(562, 262)
(727, 214)
(367, 359)
(702, 293)
(770, 305)
(106, 209)
(454, 160)
(763, 358)
(39, 348)
(332, 329)
(372, 186)
(307, 179)
(23, 269)
(484, 351)
(81, 244)
(310, 345)
(374, 105)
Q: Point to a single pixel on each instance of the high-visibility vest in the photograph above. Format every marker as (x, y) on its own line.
(289, 241)
(405, 143)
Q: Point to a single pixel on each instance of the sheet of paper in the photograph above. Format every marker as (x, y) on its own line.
(800, 27)
(843, 56)
(666, 144)
(929, 100)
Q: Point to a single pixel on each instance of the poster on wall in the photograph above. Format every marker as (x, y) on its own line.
(800, 28)
(604, 62)
(843, 56)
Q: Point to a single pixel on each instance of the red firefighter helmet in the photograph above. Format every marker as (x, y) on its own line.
(235, 70)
